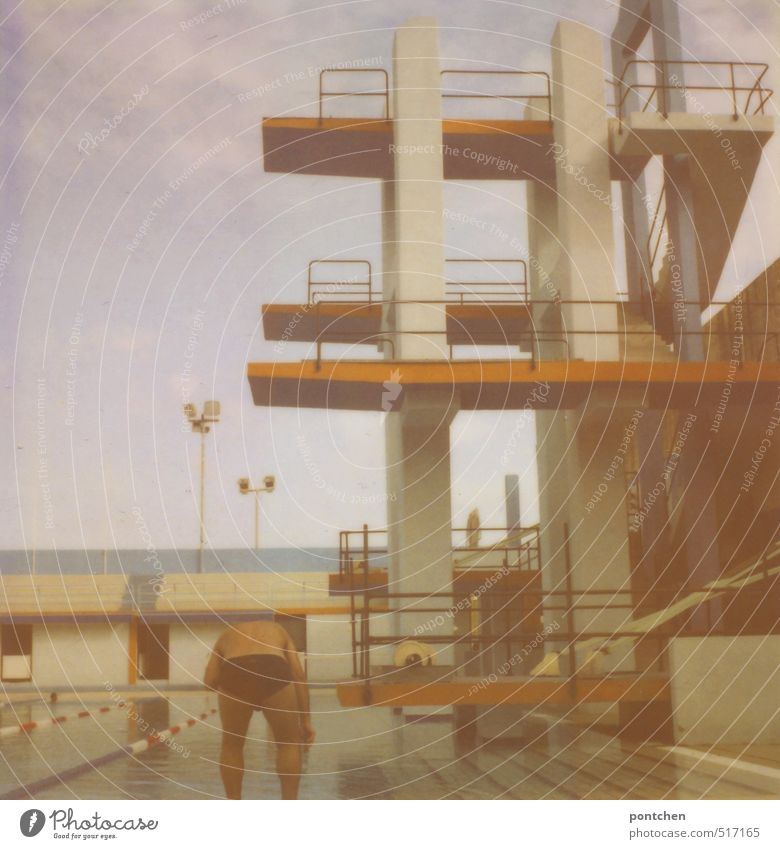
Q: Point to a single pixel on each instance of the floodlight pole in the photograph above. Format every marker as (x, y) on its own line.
(202, 425)
(245, 487)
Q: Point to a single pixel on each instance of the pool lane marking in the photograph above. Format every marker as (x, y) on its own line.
(142, 745)
(731, 763)
(26, 727)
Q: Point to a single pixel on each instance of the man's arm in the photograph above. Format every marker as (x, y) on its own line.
(301, 688)
(211, 676)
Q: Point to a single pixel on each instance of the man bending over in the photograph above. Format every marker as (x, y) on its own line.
(255, 666)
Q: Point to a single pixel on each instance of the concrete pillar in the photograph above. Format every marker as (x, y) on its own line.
(667, 52)
(688, 289)
(582, 489)
(651, 571)
(418, 470)
(544, 251)
(683, 256)
(418, 193)
(633, 189)
(581, 150)
(636, 214)
(417, 425)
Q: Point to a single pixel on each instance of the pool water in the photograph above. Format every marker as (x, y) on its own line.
(360, 753)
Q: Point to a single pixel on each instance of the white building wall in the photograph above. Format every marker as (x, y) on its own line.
(189, 648)
(329, 648)
(725, 689)
(87, 655)
(329, 644)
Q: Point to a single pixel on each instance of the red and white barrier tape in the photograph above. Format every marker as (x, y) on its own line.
(29, 791)
(26, 727)
(155, 738)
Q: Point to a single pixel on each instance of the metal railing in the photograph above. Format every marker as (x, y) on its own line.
(512, 618)
(655, 238)
(748, 98)
(493, 286)
(504, 620)
(525, 96)
(490, 291)
(364, 550)
(661, 316)
(382, 93)
(513, 622)
(360, 288)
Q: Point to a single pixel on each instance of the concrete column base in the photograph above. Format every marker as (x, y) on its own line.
(724, 689)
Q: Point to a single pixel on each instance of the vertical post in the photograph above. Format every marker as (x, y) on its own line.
(364, 625)
(346, 569)
(570, 614)
(257, 521)
(132, 651)
(365, 558)
(513, 524)
(662, 89)
(202, 495)
(733, 90)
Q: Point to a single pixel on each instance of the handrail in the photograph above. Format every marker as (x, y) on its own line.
(671, 616)
(385, 95)
(526, 96)
(659, 89)
(518, 289)
(311, 285)
(532, 336)
(500, 290)
(653, 240)
(523, 542)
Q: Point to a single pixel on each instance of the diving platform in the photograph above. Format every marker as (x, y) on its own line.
(509, 384)
(363, 147)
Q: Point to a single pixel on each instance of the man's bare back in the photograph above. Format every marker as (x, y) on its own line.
(245, 638)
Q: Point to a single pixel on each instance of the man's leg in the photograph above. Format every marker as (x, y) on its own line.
(281, 711)
(235, 718)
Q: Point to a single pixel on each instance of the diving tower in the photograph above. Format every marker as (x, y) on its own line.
(642, 364)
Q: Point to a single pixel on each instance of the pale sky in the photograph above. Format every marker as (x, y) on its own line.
(121, 297)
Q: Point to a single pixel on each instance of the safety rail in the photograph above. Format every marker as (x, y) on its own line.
(517, 621)
(525, 96)
(661, 315)
(658, 91)
(512, 618)
(492, 286)
(375, 93)
(490, 291)
(351, 288)
(517, 549)
(655, 238)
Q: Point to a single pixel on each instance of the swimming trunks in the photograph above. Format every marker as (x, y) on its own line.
(252, 678)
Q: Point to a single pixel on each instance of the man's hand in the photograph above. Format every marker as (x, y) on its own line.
(307, 733)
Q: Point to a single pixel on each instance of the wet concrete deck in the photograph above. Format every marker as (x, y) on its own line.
(371, 753)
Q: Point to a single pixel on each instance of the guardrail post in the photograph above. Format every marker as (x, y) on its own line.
(572, 653)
